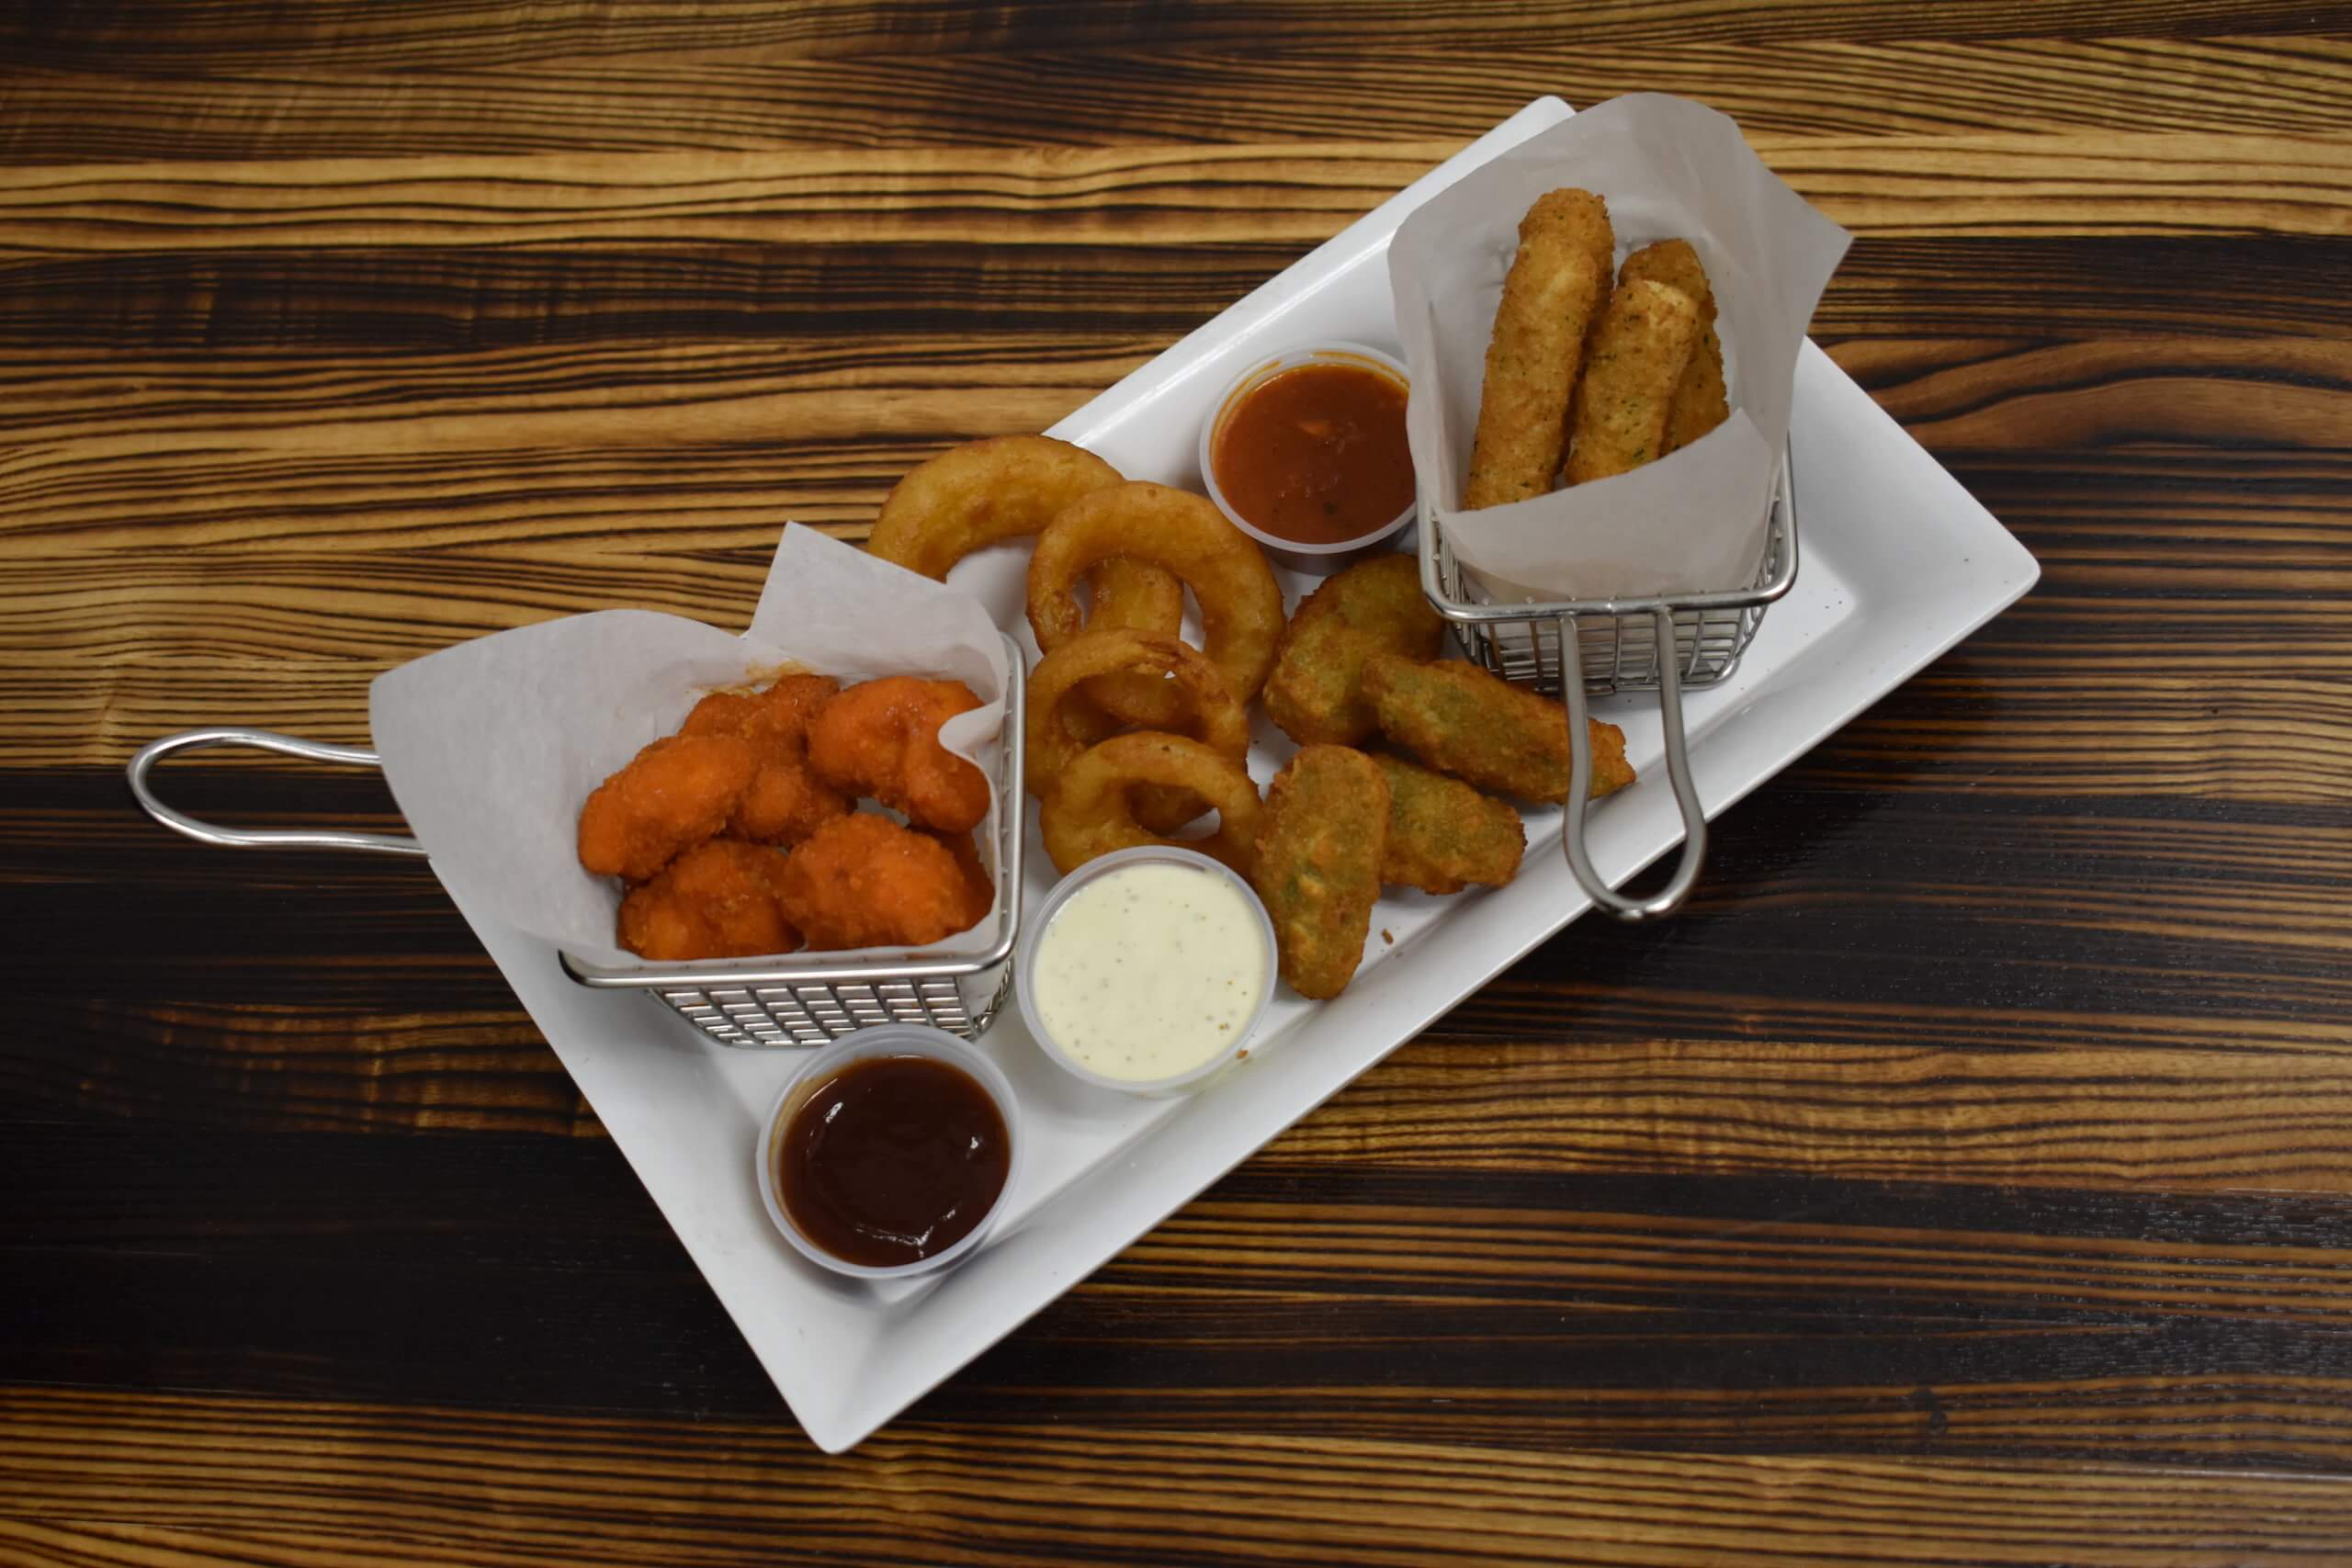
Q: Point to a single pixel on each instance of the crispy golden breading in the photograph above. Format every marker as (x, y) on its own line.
(1091, 810)
(1640, 347)
(1556, 284)
(1458, 720)
(671, 795)
(881, 739)
(1009, 486)
(1314, 694)
(863, 881)
(787, 800)
(1320, 841)
(719, 899)
(1701, 401)
(1241, 605)
(976, 873)
(1443, 836)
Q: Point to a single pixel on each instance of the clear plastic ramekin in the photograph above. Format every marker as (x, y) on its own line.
(1318, 560)
(888, 1040)
(1037, 925)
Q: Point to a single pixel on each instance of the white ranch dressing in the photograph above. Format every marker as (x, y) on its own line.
(1149, 971)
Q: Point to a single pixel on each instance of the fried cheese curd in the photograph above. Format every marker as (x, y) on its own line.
(786, 801)
(880, 739)
(719, 899)
(863, 881)
(675, 792)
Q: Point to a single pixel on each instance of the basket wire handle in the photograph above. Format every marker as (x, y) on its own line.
(205, 832)
(1678, 769)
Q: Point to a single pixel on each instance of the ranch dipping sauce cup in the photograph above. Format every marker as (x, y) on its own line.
(1147, 970)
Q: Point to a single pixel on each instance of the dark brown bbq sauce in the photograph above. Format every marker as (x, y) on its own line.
(891, 1160)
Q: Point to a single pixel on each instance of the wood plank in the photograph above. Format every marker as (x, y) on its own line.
(751, 97)
(324, 34)
(1541, 1309)
(343, 1482)
(1949, 294)
(1867, 986)
(1989, 183)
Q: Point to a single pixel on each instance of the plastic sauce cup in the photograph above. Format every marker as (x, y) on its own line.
(1316, 561)
(1037, 927)
(888, 1040)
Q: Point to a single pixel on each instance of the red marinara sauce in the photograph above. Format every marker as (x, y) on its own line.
(1316, 453)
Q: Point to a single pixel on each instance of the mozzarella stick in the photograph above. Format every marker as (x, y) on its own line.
(1554, 287)
(1700, 400)
(1639, 351)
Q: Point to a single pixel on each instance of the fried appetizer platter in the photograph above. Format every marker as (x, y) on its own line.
(1584, 380)
(738, 836)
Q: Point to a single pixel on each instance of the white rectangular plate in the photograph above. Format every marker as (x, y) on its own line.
(1899, 564)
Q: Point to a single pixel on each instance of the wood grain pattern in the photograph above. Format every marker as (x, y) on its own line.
(1960, 1180)
(1218, 1498)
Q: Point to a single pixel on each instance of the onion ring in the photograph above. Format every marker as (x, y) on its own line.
(1087, 815)
(1241, 608)
(1058, 727)
(1009, 486)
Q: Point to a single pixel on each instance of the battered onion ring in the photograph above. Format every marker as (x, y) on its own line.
(1087, 813)
(1009, 486)
(1057, 734)
(1241, 609)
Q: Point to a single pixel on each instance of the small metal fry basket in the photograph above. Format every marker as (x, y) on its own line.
(797, 1000)
(1685, 642)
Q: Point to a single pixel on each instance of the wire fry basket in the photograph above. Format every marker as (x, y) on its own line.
(756, 1002)
(1667, 645)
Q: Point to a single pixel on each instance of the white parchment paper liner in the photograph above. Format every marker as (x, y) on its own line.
(491, 746)
(1694, 521)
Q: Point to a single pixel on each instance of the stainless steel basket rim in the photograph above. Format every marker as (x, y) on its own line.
(1777, 571)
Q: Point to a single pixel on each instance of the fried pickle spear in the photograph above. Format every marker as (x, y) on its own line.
(670, 796)
(863, 881)
(1460, 720)
(1443, 836)
(1315, 692)
(881, 739)
(717, 900)
(1640, 347)
(1701, 403)
(1556, 284)
(787, 800)
(1321, 839)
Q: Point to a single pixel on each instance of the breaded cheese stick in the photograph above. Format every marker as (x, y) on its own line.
(1701, 403)
(1556, 285)
(1639, 350)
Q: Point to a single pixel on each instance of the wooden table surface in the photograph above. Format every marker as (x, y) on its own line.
(1966, 1177)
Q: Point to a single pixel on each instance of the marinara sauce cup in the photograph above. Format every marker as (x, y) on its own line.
(1315, 559)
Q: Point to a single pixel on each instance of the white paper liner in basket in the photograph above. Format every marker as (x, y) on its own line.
(1693, 522)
